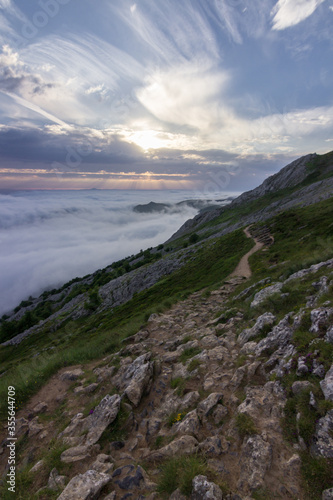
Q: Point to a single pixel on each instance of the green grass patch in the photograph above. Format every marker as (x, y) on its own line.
(245, 425)
(193, 365)
(189, 353)
(178, 473)
(317, 474)
(179, 384)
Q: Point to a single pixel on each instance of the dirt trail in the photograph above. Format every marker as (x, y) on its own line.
(243, 268)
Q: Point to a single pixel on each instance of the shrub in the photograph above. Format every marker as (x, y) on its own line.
(193, 238)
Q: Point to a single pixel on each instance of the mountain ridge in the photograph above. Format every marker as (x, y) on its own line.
(201, 385)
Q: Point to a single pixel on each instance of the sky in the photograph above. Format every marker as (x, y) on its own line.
(160, 94)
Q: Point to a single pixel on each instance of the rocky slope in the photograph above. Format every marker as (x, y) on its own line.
(196, 382)
(307, 180)
(227, 394)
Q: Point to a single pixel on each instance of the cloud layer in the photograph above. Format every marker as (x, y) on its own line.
(48, 238)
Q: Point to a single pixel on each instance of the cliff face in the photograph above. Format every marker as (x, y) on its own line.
(310, 176)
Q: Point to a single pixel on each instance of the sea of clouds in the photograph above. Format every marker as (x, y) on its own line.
(49, 237)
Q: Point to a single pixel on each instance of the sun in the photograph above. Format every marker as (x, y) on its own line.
(150, 139)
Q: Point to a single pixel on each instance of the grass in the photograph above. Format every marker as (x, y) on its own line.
(52, 458)
(179, 384)
(30, 364)
(193, 365)
(245, 425)
(189, 353)
(317, 474)
(179, 472)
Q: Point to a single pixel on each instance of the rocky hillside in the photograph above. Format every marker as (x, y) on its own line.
(213, 382)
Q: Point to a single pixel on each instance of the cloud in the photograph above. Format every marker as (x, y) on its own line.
(287, 13)
(187, 94)
(50, 238)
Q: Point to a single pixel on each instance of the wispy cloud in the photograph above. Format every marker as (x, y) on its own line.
(287, 13)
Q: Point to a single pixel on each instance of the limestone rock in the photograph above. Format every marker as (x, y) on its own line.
(72, 375)
(320, 319)
(207, 405)
(327, 384)
(128, 478)
(137, 378)
(278, 337)
(56, 482)
(35, 427)
(302, 368)
(186, 445)
(323, 439)
(104, 414)
(255, 461)
(76, 454)
(263, 320)
(75, 427)
(85, 486)
(300, 386)
(265, 293)
(40, 408)
(103, 464)
(202, 489)
(38, 466)
(329, 335)
(189, 425)
(213, 446)
(327, 494)
(219, 413)
(177, 495)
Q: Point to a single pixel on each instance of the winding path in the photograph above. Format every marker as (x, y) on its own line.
(243, 268)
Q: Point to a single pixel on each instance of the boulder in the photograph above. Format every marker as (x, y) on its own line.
(202, 489)
(177, 495)
(213, 446)
(137, 378)
(104, 414)
(128, 478)
(329, 335)
(327, 384)
(206, 406)
(76, 454)
(263, 320)
(85, 486)
(302, 367)
(322, 445)
(56, 482)
(327, 494)
(40, 408)
(189, 425)
(279, 337)
(265, 293)
(255, 461)
(300, 386)
(320, 319)
(103, 464)
(75, 427)
(71, 375)
(219, 413)
(186, 445)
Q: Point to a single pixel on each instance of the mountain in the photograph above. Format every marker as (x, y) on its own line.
(199, 369)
